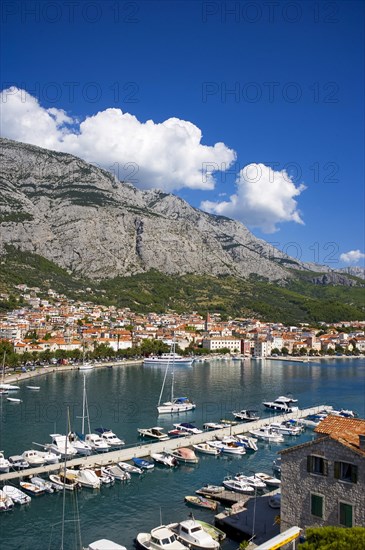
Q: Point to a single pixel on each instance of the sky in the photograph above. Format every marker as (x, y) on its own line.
(246, 109)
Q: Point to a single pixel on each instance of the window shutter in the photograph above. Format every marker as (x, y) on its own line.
(309, 463)
(325, 467)
(354, 474)
(337, 470)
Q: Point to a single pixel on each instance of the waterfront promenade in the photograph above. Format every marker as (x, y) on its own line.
(145, 449)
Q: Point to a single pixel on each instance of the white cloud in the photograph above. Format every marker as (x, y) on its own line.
(168, 155)
(264, 197)
(352, 257)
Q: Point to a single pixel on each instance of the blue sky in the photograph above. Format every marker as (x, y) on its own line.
(279, 84)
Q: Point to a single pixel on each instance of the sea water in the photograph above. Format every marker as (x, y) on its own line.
(124, 398)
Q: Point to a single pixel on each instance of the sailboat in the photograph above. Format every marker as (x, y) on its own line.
(6, 387)
(78, 440)
(85, 365)
(176, 404)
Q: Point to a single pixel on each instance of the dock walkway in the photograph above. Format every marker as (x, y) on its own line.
(145, 449)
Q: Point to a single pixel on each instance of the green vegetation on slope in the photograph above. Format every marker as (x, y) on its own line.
(334, 538)
(297, 301)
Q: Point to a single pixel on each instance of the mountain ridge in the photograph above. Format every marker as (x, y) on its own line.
(85, 220)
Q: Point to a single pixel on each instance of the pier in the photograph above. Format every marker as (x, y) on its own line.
(143, 450)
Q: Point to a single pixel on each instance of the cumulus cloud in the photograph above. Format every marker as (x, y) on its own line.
(352, 257)
(264, 197)
(167, 155)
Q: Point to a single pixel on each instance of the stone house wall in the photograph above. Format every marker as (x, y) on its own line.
(298, 484)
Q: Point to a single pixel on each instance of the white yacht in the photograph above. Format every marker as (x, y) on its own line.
(228, 447)
(168, 358)
(61, 446)
(105, 544)
(79, 444)
(188, 428)
(282, 404)
(109, 437)
(254, 481)
(160, 538)
(267, 434)
(246, 415)
(286, 428)
(190, 532)
(238, 486)
(16, 495)
(154, 433)
(33, 458)
(97, 443)
(4, 464)
(165, 459)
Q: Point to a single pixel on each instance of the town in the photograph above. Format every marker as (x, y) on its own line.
(56, 329)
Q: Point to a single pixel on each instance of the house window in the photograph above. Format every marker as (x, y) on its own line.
(344, 471)
(317, 465)
(316, 505)
(346, 513)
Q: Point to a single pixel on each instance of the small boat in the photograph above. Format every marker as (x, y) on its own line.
(116, 473)
(105, 479)
(191, 532)
(88, 478)
(6, 502)
(210, 489)
(33, 457)
(14, 400)
(238, 486)
(105, 544)
(267, 434)
(86, 366)
(61, 446)
(79, 444)
(249, 443)
(31, 488)
(213, 531)
(165, 459)
(109, 437)
(154, 433)
(49, 457)
(201, 502)
(246, 415)
(205, 448)
(286, 428)
(168, 359)
(184, 454)
(253, 481)
(97, 443)
(68, 481)
(269, 480)
(228, 447)
(188, 428)
(177, 433)
(130, 468)
(160, 538)
(281, 404)
(34, 388)
(4, 464)
(16, 495)
(42, 484)
(17, 462)
(4, 392)
(143, 463)
(214, 425)
(9, 387)
(346, 413)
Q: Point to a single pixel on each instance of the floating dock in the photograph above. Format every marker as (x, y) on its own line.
(145, 449)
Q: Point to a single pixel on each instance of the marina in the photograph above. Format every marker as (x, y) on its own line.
(133, 506)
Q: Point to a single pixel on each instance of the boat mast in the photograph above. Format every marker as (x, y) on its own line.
(173, 346)
(83, 407)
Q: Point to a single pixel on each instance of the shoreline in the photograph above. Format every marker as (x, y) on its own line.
(41, 371)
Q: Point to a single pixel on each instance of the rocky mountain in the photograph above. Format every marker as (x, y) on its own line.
(85, 220)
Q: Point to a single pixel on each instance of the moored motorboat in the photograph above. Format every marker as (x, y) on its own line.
(246, 415)
(269, 480)
(238, 486)
(88, 478)
(201, 502)
(4, 464)
(187, 427)
(42, 483)
(165, 459)
(191, 532)
(267, 434)
(176, 405)
(184, 454)
(16, 495)
(116, 473)
(154, 433)
(33, 388)
(168, 359)
(105, 478)
(214, 425)
(62, 481)
(97, 444)
(228, 447)
(160, 538)
(253, 481)
(33, 457)
(105, 544)
(250, 443)
(31, 488)
(109, 437)
(207, 449)
(6, 502)
(143, 463)
(213, 531)
(130, 468)
(286, 428)
(61, 446)
(79, 444)
(282, 404)
(14, 400)
(210, 490)
(17, 462)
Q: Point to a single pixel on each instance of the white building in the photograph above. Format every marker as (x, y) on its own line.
(220, 342)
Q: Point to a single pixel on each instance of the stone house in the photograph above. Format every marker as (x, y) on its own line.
(323, 481)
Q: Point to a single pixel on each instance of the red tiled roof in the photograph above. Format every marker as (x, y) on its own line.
(344, 430)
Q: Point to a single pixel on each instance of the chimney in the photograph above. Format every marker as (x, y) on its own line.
(362, 442)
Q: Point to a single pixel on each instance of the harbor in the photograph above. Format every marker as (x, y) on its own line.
(125, 399)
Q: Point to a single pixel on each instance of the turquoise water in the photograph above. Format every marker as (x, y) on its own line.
(124, 399)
